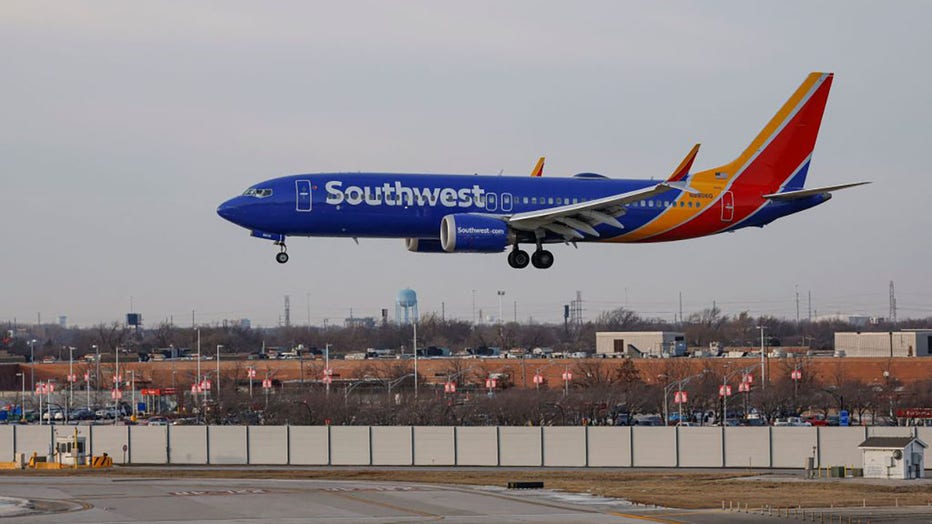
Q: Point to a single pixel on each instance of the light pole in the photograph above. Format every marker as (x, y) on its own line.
(22, 398)
(32, 363)
(96, 349)
(219, 347)
(679, 387)
(415, 359)
(327, 366)
(501, 294)
(132, 395)
(763, 366)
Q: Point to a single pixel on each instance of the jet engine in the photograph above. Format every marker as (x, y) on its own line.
(424, 245)
(469, 233)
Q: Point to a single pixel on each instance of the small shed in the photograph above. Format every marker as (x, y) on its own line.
(893, 457)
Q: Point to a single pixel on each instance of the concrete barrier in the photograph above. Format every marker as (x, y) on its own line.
(392, 446)
(610, 447)
(571, 446)
(838, 446)
(349, 446)
(309, 445)
(148, 444)
(791, 445)
(747, 447)
(186, 444)
(434, 446)
(477, 446)
(520, 446)
(654, 446)
(700, 447)
(269, 444)
(227, 445)
(565, 446)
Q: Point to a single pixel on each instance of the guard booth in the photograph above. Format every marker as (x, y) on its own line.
(893, 457)
(70, 450)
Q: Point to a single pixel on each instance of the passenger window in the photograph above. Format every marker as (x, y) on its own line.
(525, 200)
(550, 200)
(682, 203)
(575, 200)
(533, 200)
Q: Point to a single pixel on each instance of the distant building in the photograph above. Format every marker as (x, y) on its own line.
(635, 344)
(854, 320)
(905, 343)
(359, 322)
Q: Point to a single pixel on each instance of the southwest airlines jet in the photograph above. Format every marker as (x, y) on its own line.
(438, 213)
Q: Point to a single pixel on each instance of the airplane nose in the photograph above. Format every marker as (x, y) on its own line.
(228, 209)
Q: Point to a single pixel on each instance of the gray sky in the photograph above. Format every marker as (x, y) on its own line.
(126, 124)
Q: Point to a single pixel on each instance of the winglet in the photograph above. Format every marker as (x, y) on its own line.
(539, 168)
(682, 170)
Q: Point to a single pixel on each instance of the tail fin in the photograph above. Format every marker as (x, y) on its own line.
(778, 158)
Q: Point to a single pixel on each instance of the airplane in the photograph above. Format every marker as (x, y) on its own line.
(440, 213)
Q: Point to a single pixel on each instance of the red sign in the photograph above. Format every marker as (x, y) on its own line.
(914, 413)
(267, 383)
(491, 383)
(724, 391)
(567, 376)
(680, 397)
(116, 394)
(326, 379)
(796, 374)
(87, 377)
(538, 378)
(72, 377)
(251, 373)
(744, 387)
(748, 378)
(449, 387)
(328, 372)
(143, 391)
(170, 391)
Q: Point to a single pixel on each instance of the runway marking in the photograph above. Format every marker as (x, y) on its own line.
(645, 517)
(196, 493)
(385, 505)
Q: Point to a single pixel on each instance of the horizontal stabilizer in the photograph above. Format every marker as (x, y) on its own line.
(804, 193)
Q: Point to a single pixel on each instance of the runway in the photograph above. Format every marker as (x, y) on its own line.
(115, 499)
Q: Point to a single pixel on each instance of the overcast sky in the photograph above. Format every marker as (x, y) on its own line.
(125, 124)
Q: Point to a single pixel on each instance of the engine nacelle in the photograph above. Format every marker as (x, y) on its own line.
(468, 233)
(424, 245)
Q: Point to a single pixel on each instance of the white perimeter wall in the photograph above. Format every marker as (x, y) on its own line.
(569, 446)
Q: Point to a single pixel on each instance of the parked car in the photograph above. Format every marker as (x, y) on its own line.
(110, 412)
(157, 421)
(81, 414)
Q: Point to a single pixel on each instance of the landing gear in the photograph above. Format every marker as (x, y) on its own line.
(542, 259)
(518, 258)
(282, 255)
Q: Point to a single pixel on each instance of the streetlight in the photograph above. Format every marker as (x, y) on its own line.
(32, 363)
(219, 347)
(415, 358)
(22, 398)
(679, 384)
(501, 294)
(763, 367)
(327, 371)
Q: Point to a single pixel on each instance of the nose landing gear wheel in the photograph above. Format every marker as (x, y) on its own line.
(542, 259)
(518, 259)
(281, 258)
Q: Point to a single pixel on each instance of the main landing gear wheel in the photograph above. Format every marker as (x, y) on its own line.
(518, 259)
(542, 259)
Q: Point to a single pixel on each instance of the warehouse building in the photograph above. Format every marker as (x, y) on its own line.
(636, 344)
(905, 343)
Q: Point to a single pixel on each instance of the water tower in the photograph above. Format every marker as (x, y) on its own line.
(406, 306)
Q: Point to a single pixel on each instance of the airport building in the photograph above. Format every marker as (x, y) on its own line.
(635, 344)
(905, 343)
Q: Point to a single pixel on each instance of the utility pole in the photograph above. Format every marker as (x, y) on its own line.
(473, 307)
(797, 306)
(892, 303)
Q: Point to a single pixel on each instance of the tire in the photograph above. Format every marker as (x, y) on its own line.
(542, 259)
(518, 259)
(281, 258)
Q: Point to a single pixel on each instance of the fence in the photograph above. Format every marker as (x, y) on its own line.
(559, 446)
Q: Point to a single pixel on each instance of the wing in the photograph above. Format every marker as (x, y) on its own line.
(575, 221)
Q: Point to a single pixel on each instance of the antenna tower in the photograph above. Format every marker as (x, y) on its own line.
(287, 311)
(892, 303)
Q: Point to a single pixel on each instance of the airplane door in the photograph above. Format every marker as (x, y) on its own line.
(491, 201)
(728, 206)
(506, 201)
(302, 195)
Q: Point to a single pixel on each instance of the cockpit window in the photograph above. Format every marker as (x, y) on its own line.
(258, 193)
